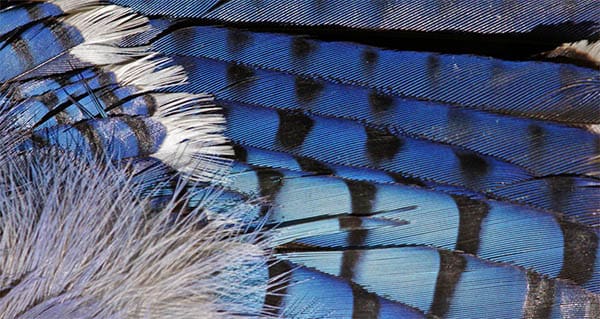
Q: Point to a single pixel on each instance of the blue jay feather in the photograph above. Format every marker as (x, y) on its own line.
(411, 159)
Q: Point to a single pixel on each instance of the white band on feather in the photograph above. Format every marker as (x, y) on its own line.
(102, 28)
(194, 143)
(74, 5)
(588, 50)
(108, 24)
(101, 54)
(149, 73)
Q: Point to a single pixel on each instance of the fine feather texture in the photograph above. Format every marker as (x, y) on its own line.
(470, 16)
(508, 290)
(82, 244)
(45, 48)
(467, 81)
(541, 147)
(82, 234)
(414, 159)
(331, 133)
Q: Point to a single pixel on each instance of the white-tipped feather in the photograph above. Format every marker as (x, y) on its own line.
(194, 143)
(102, 28)
(107, 24)
(84, 243)
(102, 54)
(585, 49)
(149, 73)
(74, 5)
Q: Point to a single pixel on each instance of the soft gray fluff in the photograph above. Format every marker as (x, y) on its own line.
(77, 242)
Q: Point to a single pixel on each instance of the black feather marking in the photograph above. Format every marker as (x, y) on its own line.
(293, 128)
(382, 145)
(433, 69)
(49, 99)
(35, 13)
(362, 195)
(22, 49)
(108, 97)
(472, 165)
(240, 153)
(471, 215)
(150, 104)
(580, 246)
(540, 297)
(237, 40)
(91, 136)
(270, 182)
(238, 76)
(63, 34)
(406, 180)
(311, 165)
(356, 238)
(364, 304)
(143, 136)
(301, 48)
(380, 102)
(307, 89)
(536, 139)
(280, 273)
(451, 268)
(561, 189)
(369, 59)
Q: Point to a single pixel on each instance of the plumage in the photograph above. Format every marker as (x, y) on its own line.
(375, 159)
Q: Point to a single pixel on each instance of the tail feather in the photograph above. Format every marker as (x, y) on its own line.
(19, 16)
(340, 211)
(348, 143)
(509, 87)
(544, 148)
(448, 284)
(416, 174)
(59, 45)
(309, 293)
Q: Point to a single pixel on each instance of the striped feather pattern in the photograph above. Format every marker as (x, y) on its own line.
(367, 159)
(533, 144)
(580, 18)
(404, 168)
(462, 80)
(312, 211)
(449, 285)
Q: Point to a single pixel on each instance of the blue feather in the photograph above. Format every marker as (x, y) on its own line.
(519, 88)
(540, 147)
(403, 167)
(14, 18)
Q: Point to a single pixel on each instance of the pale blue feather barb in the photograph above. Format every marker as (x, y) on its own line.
(411, 159)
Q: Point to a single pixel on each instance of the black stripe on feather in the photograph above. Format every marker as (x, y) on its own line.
(279, 277)
(580, 247)
(540, 297)
(364, 304)
(270, 182)
(471, 214)
(451, 268)
(382, 145)
(293, 128)
(145, 140)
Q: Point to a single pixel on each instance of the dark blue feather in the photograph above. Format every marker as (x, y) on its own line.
(404, 168)
(522, 88)
(446, 284)
(347, 143)
(14, 18)
(541, 148)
